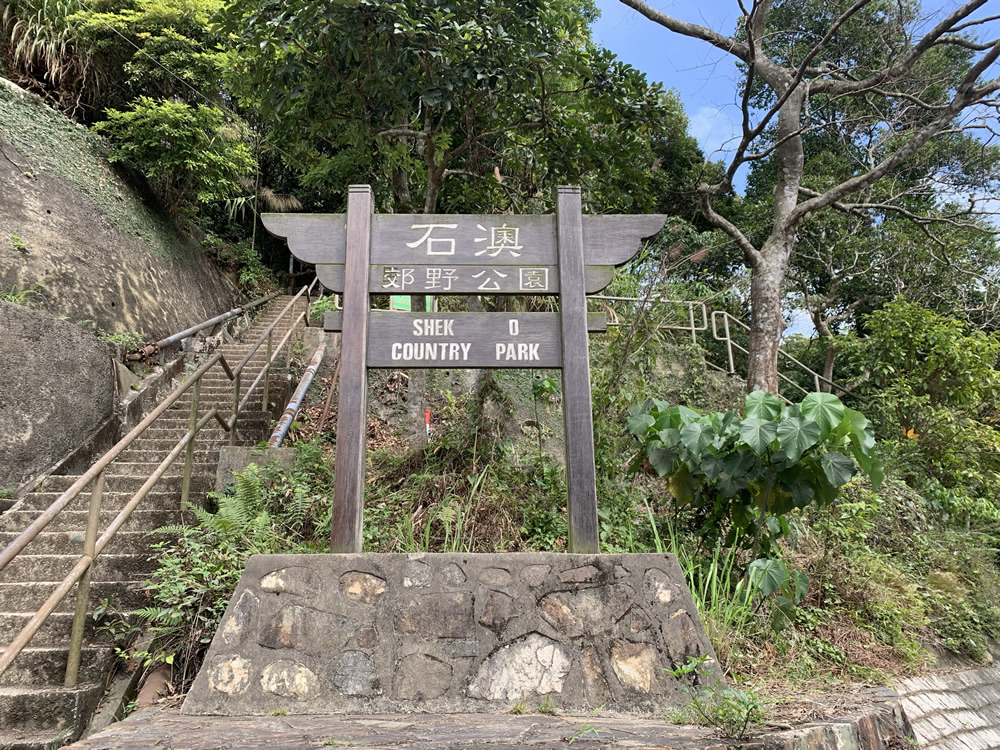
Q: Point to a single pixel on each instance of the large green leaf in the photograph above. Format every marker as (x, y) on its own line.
(639, 423)
(767, 575)
(861, 432)
(839, 469)
(762, 405)
(758, 433)
(796, 435)
(662, 460)
(824, 409)
(697, 436)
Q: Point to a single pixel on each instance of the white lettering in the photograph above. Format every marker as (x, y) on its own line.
(397, 351)
(514, 326)
(533, 352)
(500, 350)
(465, 350)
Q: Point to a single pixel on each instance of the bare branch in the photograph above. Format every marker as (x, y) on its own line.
(753, 256)
(945, 27)
(720, 41)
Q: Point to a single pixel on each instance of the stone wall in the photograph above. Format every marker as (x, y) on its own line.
(57, 387)
(372, 633)
(960, 710)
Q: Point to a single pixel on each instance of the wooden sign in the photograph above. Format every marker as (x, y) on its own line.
(467, 340)
(359, 254)
(445, 280)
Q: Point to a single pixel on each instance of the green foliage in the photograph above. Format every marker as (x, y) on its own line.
(934, 389)
(184, 149)
(732, 712)
(19, 244)
(240, 259)
(30, 297)
(744, 474)
(267, 510)
(129, 340)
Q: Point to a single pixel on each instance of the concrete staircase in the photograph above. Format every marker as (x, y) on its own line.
(36, 711)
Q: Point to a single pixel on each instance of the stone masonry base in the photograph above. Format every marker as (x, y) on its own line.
(446, 633)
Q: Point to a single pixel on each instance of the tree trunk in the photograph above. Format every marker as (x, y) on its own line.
(766, 320)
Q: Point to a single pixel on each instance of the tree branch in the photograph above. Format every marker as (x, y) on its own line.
(720, 41)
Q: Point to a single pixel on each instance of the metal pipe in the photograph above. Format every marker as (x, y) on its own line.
(83, 590)
(281, 430)
(22, 540)
(144, 352)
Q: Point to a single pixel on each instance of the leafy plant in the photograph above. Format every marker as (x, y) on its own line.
(266, 510)
(185, 150)
(19, 244)
(743, 474)
(128, 340)
(30, 297)
(732, 712)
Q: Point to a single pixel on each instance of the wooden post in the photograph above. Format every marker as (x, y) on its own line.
(352, 405)
(581, 477)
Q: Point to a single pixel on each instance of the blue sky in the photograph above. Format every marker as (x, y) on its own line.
(704, 77)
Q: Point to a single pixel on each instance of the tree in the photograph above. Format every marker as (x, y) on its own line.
(440, 103)
(875, 74)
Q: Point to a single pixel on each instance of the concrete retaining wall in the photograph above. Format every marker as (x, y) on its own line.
(452, 633)
(956, 711)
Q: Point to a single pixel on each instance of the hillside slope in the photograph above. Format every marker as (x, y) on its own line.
(90, 243)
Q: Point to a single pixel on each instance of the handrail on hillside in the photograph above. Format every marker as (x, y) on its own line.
(144, 352)
(94, 545)
(721, 319)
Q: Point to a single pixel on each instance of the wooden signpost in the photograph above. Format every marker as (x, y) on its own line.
(360, 253)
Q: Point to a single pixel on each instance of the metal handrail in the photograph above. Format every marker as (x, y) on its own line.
(726, 318)
(295, 402)
(691, 305)
(144, 352)
(93, 545)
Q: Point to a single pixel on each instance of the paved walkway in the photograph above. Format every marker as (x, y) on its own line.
(167, 729)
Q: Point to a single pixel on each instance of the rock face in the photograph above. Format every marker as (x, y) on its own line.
(57, 386)
(377, 633)
(97, 248)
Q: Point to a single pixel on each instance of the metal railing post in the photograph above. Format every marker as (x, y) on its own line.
(267, 373)
(189, 456)
(83, 588)
(694, 335)
(236, 409)
(729, 342)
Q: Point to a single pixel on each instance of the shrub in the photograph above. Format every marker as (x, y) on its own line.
(743, 474)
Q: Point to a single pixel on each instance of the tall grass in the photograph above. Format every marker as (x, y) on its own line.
(724, 596)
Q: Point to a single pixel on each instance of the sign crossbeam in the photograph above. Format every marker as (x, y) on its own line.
(567, 254)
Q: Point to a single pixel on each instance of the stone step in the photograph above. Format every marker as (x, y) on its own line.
(108, 567)
(71, 542)
(159, 499)
(34, 709)
(55, 631)
(202, 454)
(162, 446)
(142, 519)
(29, 596)
(145, 469)
(169, 483)
(46, 666)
